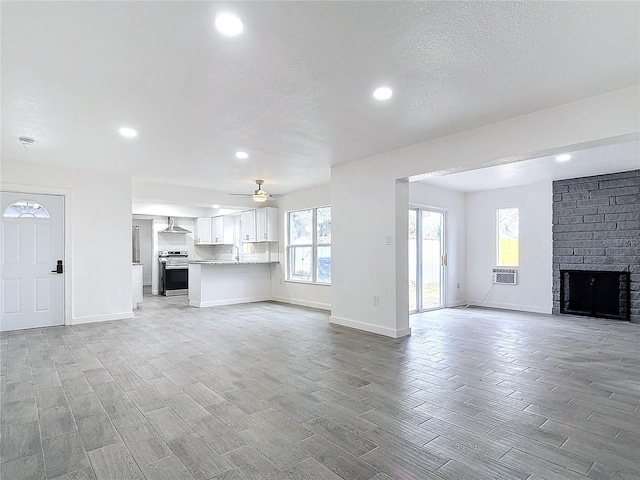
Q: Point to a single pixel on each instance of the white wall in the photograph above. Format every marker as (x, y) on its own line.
(453, 202)
(99, 213)
(533, 291)
(363, 265)
(317, 296)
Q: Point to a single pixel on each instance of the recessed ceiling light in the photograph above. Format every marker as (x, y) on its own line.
(128, 132)
(242, 155)
(564, 157)
(229, 25)
(215, 206)
(382, 93)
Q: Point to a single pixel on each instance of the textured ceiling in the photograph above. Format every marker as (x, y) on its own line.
(294, 90)
(619, 157)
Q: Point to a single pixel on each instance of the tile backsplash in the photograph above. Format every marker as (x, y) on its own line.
(261, 252)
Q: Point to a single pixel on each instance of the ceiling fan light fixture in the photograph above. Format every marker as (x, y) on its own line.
(258, 195)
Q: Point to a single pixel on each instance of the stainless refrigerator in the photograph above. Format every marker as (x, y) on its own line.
(135, 244)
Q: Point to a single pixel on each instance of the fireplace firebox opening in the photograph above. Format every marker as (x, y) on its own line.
(595, 294)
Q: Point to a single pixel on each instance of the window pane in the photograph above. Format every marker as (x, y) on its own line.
(324, 264)
(301, 227)
(323, 217)
(25, 208)
(300, 259)
(508, 233)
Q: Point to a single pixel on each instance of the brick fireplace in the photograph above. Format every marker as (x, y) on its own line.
(596, 228)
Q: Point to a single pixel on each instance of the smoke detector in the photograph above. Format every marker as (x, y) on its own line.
(26, 141)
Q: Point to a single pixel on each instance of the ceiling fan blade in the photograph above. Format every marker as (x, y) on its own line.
(259, 193)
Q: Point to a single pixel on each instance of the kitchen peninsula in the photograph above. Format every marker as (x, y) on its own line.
(234, 255)
(228, 282)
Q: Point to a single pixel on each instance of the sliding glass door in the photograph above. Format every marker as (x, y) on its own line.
(413, 260)
(427, 259)
(433, 260)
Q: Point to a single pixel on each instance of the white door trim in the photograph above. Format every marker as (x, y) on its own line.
(66, 193)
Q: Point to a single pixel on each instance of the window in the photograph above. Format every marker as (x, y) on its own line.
(25, 208)
(508, 232)
(309, 245)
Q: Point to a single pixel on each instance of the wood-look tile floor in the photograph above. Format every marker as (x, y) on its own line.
(268, 391)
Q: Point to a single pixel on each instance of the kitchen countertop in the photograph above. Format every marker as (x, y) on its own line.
(229, 262)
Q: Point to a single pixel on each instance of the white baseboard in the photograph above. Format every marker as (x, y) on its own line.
(511, 306)
(302, 303)
(369, 327)
(101, 318)
(404, 332)
(231, 301)
(457, 303)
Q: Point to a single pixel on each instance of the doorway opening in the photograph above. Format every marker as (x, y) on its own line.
(427, 259)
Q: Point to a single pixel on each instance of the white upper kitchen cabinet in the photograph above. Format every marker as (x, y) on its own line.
(203, 231)
(222, 230)
(248, 226)
(267, 224)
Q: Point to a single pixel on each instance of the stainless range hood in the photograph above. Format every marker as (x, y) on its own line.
(172, 228)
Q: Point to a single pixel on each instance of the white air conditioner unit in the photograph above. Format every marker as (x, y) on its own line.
(505, 276)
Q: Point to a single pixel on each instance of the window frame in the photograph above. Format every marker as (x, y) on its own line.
(314, 245)
(497, 237)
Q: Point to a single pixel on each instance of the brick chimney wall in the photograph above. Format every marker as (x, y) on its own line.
(596, 226)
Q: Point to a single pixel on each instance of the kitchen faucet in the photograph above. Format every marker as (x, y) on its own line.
(237, 257)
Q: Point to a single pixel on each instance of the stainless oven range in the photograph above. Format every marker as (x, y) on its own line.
(174, 272)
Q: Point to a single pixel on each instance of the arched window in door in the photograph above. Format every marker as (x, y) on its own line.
(25, 208)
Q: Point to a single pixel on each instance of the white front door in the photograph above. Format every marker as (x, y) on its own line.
(32, 290)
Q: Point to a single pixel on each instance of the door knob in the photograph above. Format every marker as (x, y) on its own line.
(59, 268)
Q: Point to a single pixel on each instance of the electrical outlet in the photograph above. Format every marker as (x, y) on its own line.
(376, 300)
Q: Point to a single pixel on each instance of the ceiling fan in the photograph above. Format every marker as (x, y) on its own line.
(258, 195)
